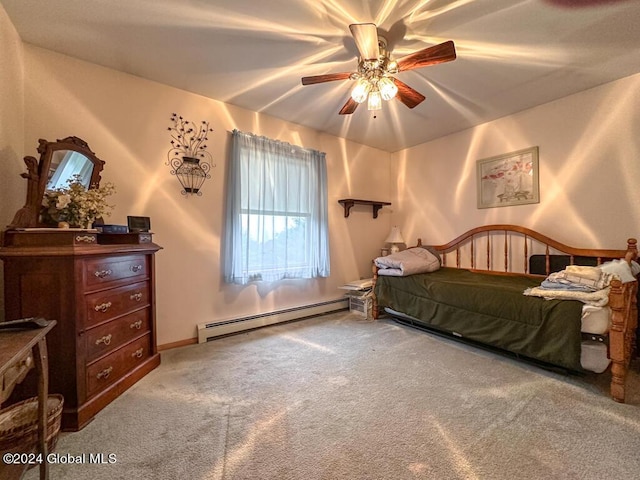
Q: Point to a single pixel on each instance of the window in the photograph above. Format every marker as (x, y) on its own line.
(276, 225)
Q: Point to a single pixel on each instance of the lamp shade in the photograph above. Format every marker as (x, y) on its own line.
(395, 236)
(375, 100)
(387, 88)
(361, 90)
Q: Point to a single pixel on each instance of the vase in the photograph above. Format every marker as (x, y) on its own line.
(192, 174)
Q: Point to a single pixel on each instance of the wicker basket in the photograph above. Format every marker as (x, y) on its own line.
(19, 425)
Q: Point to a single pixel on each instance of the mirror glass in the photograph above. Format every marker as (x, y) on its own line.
(59, 162)
(64, 165)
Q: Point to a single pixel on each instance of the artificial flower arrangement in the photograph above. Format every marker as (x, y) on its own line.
(75, 204)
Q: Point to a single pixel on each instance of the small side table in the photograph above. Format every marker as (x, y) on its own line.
(16, 346)
(359, 296)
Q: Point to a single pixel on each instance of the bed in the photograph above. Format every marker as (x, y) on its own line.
(476, 292)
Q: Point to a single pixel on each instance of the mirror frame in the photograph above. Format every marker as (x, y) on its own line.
(37, 171)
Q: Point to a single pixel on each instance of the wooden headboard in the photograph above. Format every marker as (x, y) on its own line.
(504, 248)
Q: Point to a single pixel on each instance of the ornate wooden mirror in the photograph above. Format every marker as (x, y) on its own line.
(59, 161)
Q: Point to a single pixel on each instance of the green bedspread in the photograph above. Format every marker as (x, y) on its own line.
(490, 309)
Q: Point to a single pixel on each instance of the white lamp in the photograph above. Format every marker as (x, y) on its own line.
(394, 238)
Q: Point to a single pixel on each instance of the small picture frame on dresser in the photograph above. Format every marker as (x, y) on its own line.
(139, 224)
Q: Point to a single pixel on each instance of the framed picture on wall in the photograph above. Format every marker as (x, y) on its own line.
(509, 179)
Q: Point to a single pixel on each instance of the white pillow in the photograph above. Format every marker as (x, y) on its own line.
(620, 268)
(408, 262)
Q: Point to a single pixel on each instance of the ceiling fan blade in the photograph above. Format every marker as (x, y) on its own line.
(445, 52)
(408, 95)
(366, 37)
(349, 107)
(329, 77)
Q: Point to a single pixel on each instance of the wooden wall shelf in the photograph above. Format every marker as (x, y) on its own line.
(347, 203)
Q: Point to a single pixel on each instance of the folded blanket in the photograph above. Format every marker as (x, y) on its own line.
(582, 271)
(592, 278)
(589, 285)
(408, 262)
(575, 287)
(598, 298)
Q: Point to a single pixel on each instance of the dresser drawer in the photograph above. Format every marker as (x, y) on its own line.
(103, 306)
(111, 368)
(114, 334)
(104, 270)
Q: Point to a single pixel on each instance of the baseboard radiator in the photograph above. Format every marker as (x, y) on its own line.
(209, 331)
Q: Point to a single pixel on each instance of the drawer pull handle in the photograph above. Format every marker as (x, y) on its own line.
(136, 296)
(103, 273)
(103, 307)
(25, 364)
(137, 324)
(138, 353)
(104, 373)
(135, 268)
(85, 239)
(106, 340)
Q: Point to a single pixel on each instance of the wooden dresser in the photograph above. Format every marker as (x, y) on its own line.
(101, 290)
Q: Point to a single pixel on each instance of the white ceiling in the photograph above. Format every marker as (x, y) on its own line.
(512, 54)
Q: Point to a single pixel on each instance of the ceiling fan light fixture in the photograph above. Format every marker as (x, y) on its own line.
(361, 90)
(388, 88)
(392, 67)
(375, 100)
(375, 73)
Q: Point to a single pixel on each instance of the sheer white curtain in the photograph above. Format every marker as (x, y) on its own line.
(276, 223)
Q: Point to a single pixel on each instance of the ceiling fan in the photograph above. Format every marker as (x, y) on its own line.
(374, 80)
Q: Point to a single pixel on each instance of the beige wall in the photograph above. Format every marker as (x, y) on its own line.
(12, 191)
(589, 147)
(124, 119)
(589, 171)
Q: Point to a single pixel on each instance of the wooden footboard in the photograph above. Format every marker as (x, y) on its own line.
(622, 335)
(506, 249)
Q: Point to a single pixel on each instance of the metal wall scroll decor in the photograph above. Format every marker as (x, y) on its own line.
(188, 156)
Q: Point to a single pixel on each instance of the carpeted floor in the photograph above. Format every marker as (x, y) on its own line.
(340, 397)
